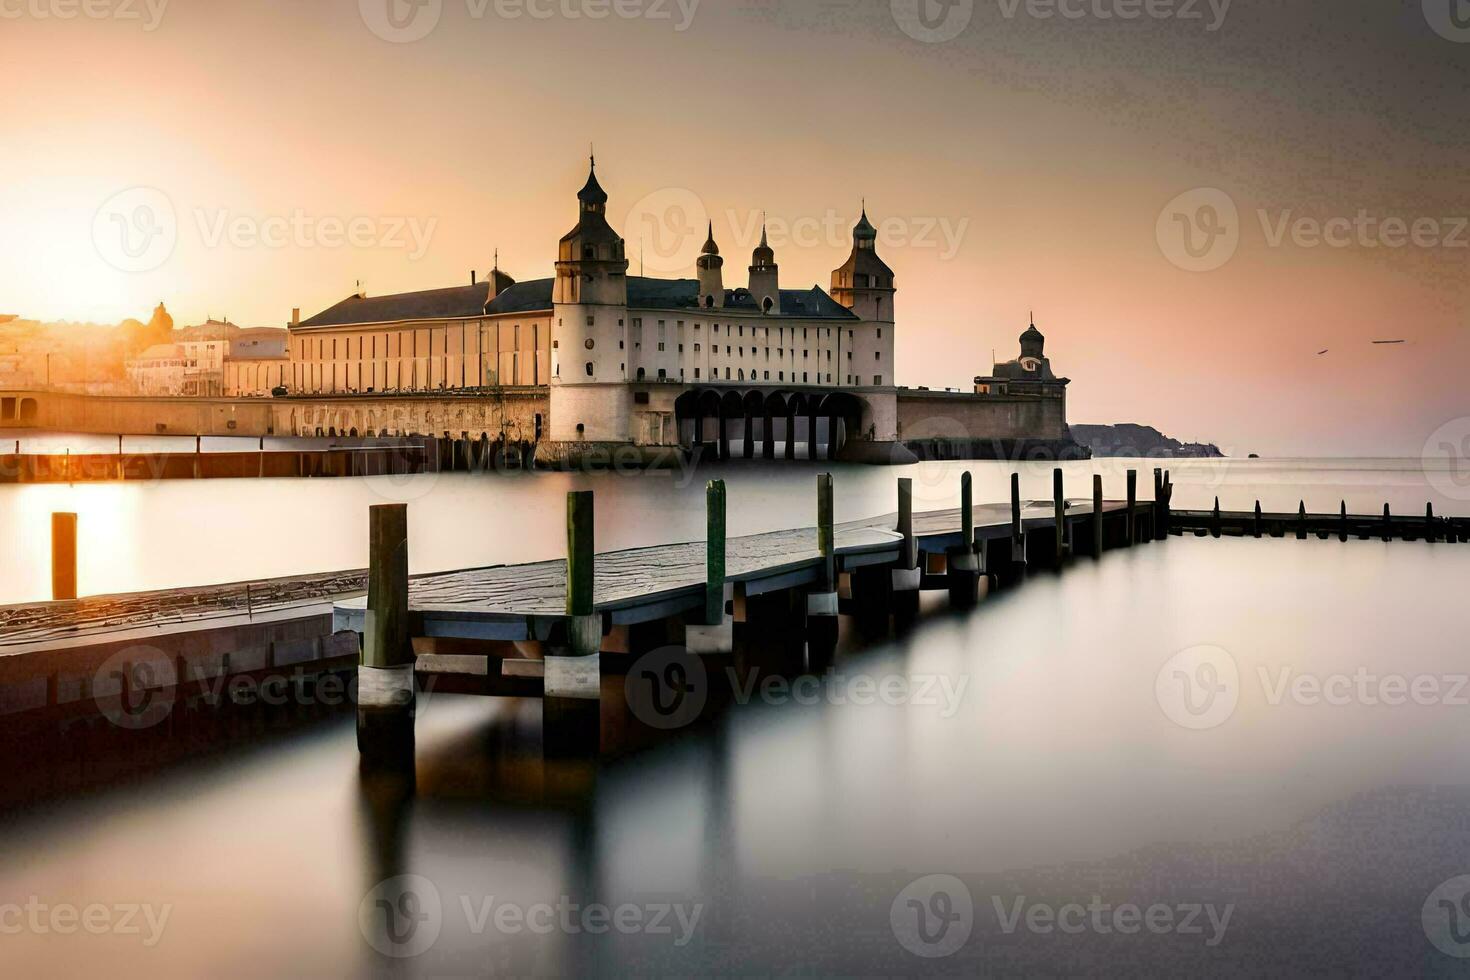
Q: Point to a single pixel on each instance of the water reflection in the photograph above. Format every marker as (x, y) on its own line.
(802, 826)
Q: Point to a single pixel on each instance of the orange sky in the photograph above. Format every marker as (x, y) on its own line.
(1046, 149)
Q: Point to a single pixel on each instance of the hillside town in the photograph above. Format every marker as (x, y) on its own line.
(216, 358)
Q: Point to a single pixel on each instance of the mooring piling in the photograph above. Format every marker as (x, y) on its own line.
(1132, 521)
(385, 675)
(821, 602)
(1429, 522)
(1342, 522)
(63, 556)
(1097, 515)
(716, 632)
(1387, 523)
(714, 586)
(907, 575)
(962, 564)
(1059, 499)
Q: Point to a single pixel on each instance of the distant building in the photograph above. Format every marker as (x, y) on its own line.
(257, 363)
(160, 370)
(1029, 374)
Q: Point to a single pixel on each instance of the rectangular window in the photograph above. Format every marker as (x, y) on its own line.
(696, 374)
(877, 380)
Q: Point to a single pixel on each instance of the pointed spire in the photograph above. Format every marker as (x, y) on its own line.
(710, 248)
(592, 194)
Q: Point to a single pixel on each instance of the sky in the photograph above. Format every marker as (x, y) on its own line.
(1195, 197)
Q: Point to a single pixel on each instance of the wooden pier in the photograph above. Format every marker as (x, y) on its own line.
(554, 629)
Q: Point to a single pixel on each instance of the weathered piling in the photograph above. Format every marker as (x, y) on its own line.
(1132, 523)
(63, 556)
(1256, 522)
(1097, 515)
(570, 709)
(907, 575)
(962, 564)
(385, 676)
(821, 602)
(715, 634)
(1342, 522)
(1429, 534)
(1059, 499)
(1215, 519)
(1387, 524)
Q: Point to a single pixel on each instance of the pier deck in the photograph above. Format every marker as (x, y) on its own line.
(524, 602)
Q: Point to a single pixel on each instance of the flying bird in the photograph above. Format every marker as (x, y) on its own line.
(1381, 343)
(1321, 352)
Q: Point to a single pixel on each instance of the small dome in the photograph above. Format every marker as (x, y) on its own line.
(764, 256)
(1032, 336)
(592, 193)
(864, 231)
(710, 248)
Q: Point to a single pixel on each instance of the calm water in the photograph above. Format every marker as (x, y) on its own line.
(139, 536)
(1258, 740)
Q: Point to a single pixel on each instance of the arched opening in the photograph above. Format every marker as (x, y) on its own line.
(796, 419)
(732, 409)
(754, 410)
(843, 413)
(775, 415)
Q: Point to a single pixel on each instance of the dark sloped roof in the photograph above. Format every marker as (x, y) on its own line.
(524, 297)
(535, 296)
(432, 304)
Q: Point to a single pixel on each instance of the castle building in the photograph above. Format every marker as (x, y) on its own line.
(631, 360)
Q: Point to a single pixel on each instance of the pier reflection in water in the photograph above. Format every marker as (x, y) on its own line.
(1050, 773)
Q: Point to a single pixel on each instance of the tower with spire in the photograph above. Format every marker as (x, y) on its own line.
(765, 284)
(588, 326)
(865, 285)
(711, 274)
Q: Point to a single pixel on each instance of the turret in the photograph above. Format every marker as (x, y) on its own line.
(864, 283)
(711, 274)
(1033, 344)
(765, 277)
(591, 297)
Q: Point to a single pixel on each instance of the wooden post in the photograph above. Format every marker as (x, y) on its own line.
(967, 509)
(63, 556)
(1342, 523)
(1097, 515)
(825, 535)
(1016, 525)
(385, 642)
(385, 682)
(1215, 518)
(1387, 524)
(1059, 498)
(907, 576)
(573, 673)
(1429, 522)
(713, 635)
(821, 603)
(1132, 508)
(1256, 524)
(1301, 521)
(962, 565)
(1159, 529)
(714, 581)
(910, 556)
(581, 558)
